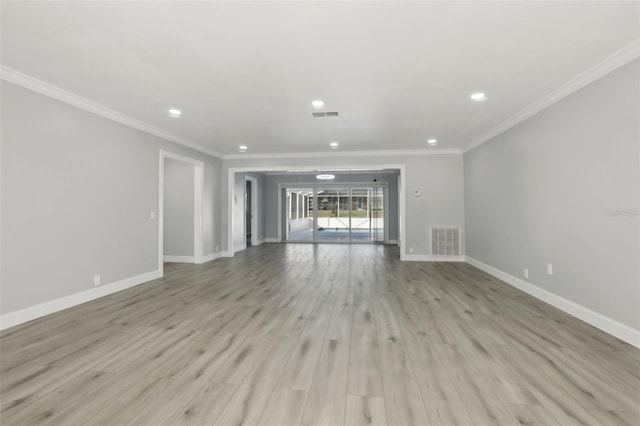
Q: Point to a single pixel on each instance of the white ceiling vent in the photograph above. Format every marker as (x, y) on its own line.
(325, 114)
(445, 240)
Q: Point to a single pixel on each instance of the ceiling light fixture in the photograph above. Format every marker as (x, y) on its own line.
(325, 177)
(334, 145)
(318, 104)
(432, 142)
(175, 113)
(479, 96)
(243, 148)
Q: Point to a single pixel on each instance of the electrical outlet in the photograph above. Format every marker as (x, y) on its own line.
(96, 280)
(526, 273)
(410, 249)
(549, 269)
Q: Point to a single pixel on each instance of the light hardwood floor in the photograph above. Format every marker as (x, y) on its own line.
(317, 334)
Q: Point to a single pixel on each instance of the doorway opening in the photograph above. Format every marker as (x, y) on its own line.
(179, 209)
(250, 216)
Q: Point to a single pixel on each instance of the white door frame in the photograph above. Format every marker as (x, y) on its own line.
(198, 188)
(254, 214)
(402, 214)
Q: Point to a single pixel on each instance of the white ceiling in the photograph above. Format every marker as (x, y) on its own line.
(246, 72)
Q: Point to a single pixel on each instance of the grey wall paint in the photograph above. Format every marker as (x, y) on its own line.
(271, 202)
(178, 208)
(438, 177)
(440, 181)
(77, 192)
(540, 192)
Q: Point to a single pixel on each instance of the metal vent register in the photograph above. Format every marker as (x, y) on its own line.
(445, 240)
(325, 114)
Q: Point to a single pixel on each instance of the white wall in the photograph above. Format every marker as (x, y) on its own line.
(77, 193)
(178, 208)
(438, 177)
(563, 188)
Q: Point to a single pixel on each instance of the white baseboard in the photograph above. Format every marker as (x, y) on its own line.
(213, 256)
(18, 317)
(429, 258)
(178, 259)
(240, 248)
(258, 242)
(394, 242)
(271, 240)
(604, 323)
(226, 254)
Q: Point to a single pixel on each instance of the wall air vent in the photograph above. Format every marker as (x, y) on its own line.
(445, 240)
(325, 114)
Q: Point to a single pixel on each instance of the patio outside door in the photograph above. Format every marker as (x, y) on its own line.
(335, 214)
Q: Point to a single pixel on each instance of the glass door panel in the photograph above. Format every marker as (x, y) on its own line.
(333, 214)
(361, 229)
(377, 213)
(299, 220)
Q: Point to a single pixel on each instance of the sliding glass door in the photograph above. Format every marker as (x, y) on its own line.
(340, 213)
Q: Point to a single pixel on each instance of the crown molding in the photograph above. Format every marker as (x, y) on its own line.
(611, 63)
(46, 89)
(342, 154)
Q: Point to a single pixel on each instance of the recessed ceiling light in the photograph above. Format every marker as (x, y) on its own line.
(318, 104)
(479, 96)
(333, 145)
(325, 177)
(243, 148)
(175, 113)
(432, 142)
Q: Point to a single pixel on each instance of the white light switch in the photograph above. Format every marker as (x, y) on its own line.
(152, 216)
(526, 273)
(549, 269)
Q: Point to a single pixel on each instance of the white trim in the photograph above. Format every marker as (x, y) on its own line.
(402, 213)
(341, 154)
(281, 231)
(46, 89)
(239, 248)
(604, 323)
(198, 190)
(198, 195)
(226, 254)
(258, 242)
(27, 314)
(272, 240)
(430, 258)
(213, 256)
(178, 259)
(392, 242)
(611, 63)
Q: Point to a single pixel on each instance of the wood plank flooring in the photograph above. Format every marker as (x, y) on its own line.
(301, 334)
